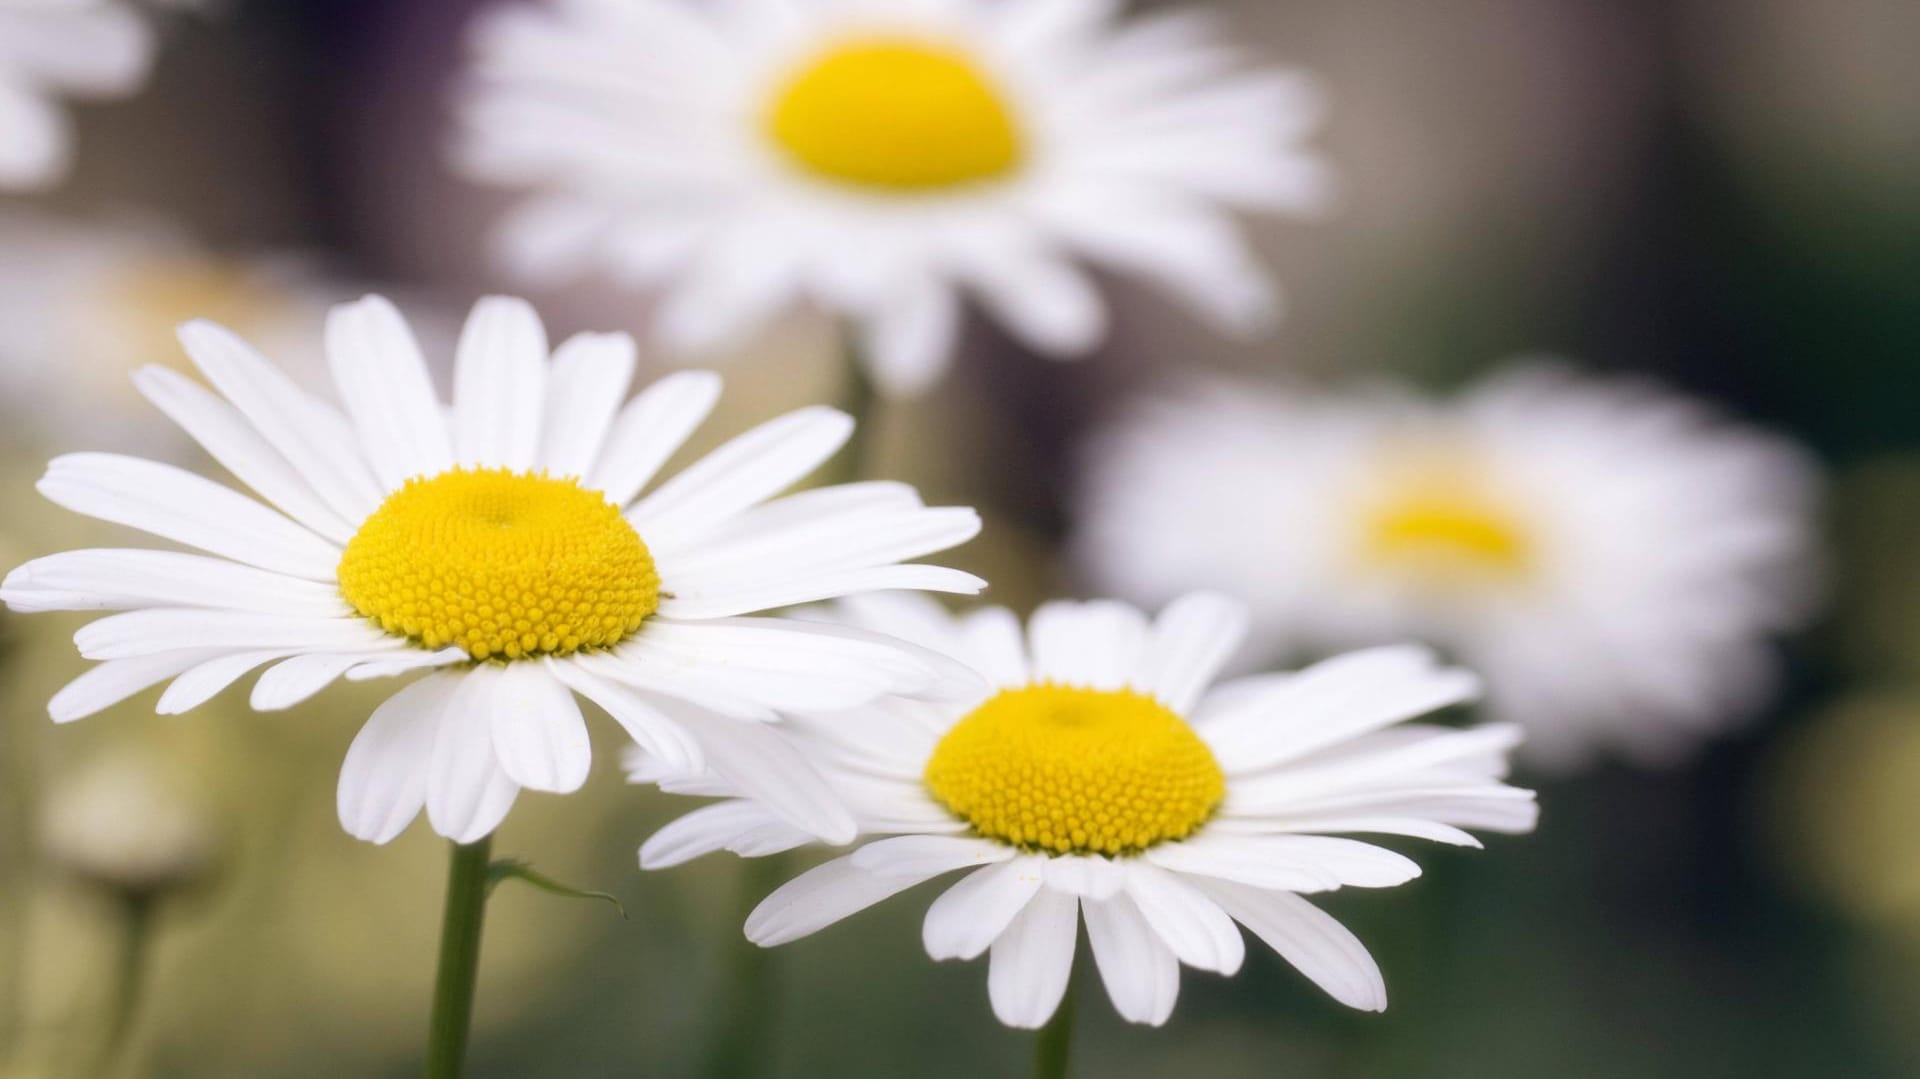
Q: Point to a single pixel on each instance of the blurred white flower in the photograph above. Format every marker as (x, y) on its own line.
(1611, 557)
(121, 824)
(60, 48)
(84, 304)
(1100, 774)
(501, 546)
(880, 158)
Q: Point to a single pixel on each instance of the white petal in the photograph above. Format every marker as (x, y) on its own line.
(107, 684)
(383, 782)
(1304, 935)
(766, 766)
(1029, 965)
(383, 380)
(39, 143)
(201, 684)
(649, 430)
(721, 826)
(164, 629)
(1096, 645)
(1192, 925)
(747, 470)
(312, 437)
(818, 898)
(923, 855)
(499, 384)
(1087, 876)
(1288, 862)
(468, 793)
(995, 645)
(178, 505)
(1141, 973)
(966, 919)
(228, 438)
(909, 341)
(663, 739)
(1191, 640)
(129, 579)
(298, 678)
(589, 379)
(538, 733)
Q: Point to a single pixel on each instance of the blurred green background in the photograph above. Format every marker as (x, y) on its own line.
(1725, 193)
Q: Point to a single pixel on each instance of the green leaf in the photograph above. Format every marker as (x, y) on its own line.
(514, 869)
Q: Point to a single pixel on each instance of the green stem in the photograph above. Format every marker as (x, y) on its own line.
(1056, 1041)
(460, 927)
(742, 1036)
(130, 978)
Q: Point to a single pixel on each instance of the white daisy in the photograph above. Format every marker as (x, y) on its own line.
(879, 158)
(56, 48)
(1101, 777)
(501, 543)
(1611, 557)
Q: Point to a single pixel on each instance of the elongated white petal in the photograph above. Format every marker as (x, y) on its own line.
(383, 782)
(298, 678)
(966, 919)
(383, 381)
(1140, 971)
(202, 683)
(813, 588)
(226, 435)
(128, 579)
(665, 741)
(538, 733)
(1192, 925)
(164, 629)
(499, 386)
(107, 684)
(919, 855)
(1088, 876)
(818, 898)
(312, 437)
(1095, 645)
(721, 826)
(994, 644)
(1191, 640)
(468, 793)
(589, 379)
(180, 506)
(1029, 964)
(764, 765)
(652, 427)
(1290, 862)
(1319, 947)
(747, 470)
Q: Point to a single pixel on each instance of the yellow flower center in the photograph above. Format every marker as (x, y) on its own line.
(1054, 768)
(1441, 525)
(896, 114)
(502, 564)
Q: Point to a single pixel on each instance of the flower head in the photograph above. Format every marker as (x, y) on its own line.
(55, 48)
(1611, 557)
(880, 158)
(502, 544)
(1103, 776)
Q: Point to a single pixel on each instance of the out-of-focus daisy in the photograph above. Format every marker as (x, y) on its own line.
(501, 544)
(1611, 557)
(121, 824)
(1100, 777)
(84, 304)
(880, 158)
(51, 49)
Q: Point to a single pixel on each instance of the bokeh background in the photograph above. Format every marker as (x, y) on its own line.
(1724, 193)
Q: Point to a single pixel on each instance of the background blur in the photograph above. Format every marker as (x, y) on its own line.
(1722, 192)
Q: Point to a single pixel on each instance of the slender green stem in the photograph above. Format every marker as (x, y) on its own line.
(130, 978)
(1056, 1041)
(741, 1039)
(460, 927)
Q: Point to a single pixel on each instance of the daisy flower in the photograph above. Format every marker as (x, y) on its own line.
(1611, 557)
(55, 48)
(503, 545)
(881, 158)
(1102, 776)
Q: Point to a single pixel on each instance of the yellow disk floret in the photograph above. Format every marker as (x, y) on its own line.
(1066, 770)
(503, 564)
(896, 114)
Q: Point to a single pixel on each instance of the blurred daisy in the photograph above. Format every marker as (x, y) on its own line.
(57, 48)
(120, 823)
(1611, 557)
(501, 544)
(83, 304)
(1099, 777)
(881, 157)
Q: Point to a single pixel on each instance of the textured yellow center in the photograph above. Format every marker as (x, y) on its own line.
(895, 114)
(502, 564)
(1443, 530)
(1067, 770)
